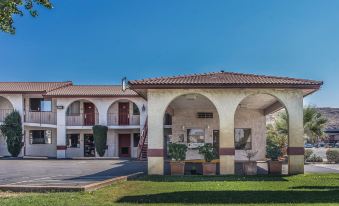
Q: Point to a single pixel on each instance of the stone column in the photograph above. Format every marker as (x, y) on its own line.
(226, 149)
(296, 136)
(61, 133)
(155, 153)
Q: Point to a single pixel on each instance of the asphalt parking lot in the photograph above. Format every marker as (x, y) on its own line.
(64, 172)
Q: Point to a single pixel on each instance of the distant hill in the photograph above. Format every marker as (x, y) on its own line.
(332, 115)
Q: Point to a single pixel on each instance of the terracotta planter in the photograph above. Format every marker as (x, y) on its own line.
(250, 168)
(177, 168)
(274, 167)
(209, 168)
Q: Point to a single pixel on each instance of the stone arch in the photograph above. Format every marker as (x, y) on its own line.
(114, 117)
(6, 107)
(77, 119)
(187, 105)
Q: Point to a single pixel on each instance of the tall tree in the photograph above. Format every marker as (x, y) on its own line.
(314, 124)
(12, 130)
(8, 8)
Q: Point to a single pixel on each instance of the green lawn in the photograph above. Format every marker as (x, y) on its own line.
(310, 189)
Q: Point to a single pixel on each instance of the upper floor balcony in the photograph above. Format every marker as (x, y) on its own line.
(82, 113)
(4, 113)
(123, 113)
(41, 117)
(6, 108)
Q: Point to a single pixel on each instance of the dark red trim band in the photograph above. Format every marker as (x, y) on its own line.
(155, 152)
(61, 147)
(295, 151)
(227, 151)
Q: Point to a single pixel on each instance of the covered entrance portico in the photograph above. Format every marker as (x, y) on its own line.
(227, 92)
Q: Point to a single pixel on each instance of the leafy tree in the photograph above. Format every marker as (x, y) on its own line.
(100, 139)
(8, 8)
(314, 124)
(12, 130)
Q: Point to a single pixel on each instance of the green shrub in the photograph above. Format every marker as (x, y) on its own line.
(273, 150)
(332, 155)
(177, 151)
(100, 139)
(314, 158)
(12, 131)
(208, 152)
(307, 154)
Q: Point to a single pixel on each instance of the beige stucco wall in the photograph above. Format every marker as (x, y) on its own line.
(226, 102)
(44, 150)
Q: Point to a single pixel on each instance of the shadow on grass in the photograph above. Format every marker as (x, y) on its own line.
(200, 178)
(316, 187)
(236, 197)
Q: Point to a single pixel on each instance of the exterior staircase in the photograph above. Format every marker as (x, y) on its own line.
(143, 143)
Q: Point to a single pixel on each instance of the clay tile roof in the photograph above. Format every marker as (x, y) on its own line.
(224, 79)
(91, 90)
(31, 87)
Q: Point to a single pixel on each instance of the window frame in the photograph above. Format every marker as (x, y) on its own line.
(39, 109)
(69, 143)
(45, 134)
(248, 145)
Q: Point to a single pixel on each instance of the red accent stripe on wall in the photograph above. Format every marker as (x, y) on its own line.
(295, 150)
(155, 152)
(61, 147)
(226, 151)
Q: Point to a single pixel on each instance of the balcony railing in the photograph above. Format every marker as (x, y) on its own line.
(4, 113)
(82, 119)
(41, 117)
(114, 119)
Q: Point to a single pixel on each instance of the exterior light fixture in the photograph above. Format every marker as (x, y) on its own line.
(143, 108)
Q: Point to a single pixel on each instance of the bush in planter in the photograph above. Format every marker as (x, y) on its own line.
(100, 139)
(12, 130)
(177, 152)
(332, 156)
(273, 152)
(307, 154)
(209, 153)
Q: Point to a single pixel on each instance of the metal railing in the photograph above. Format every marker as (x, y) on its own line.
(4, 113)
(114, 119)
(82, 119)
(41, 117)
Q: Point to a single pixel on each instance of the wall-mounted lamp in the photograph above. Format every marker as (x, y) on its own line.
(183, 127)
(143, 108)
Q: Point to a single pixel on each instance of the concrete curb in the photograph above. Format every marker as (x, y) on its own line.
(89, 187)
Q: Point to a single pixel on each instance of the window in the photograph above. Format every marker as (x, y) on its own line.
(136, 139)
(40, 105)
(195, 136)
(243, 139)
(74, 109)
(135, 109)
(40, 136)
(73, 140)
(205, 115)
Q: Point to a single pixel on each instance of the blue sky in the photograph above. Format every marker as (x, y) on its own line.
(98, 42)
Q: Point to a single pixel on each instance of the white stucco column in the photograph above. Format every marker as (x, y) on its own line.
(296, 135)
(61, 133)
(226, 148)
(155, 153)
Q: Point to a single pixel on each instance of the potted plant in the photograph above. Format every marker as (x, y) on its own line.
(250, 167)
(273, 152)
(209, 154)
(177, 152)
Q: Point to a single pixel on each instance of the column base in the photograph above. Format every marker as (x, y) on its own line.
(155, 165)
(61, 152)
(227, 165)
(295, 164)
